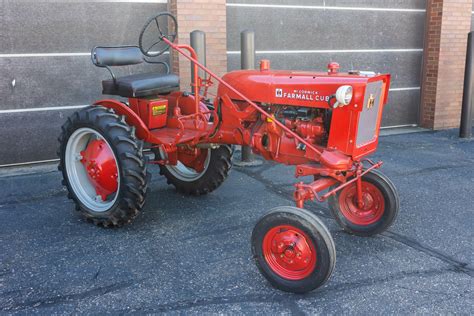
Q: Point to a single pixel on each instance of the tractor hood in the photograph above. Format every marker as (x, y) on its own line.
(293, 87)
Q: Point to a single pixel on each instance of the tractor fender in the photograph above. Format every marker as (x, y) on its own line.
(120, 108)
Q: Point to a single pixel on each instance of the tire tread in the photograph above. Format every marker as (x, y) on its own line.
(217, 172)
(128, 152)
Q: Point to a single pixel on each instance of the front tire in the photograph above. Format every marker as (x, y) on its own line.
(216, 165)
(380, 209)
(293, 249)
(103, 166)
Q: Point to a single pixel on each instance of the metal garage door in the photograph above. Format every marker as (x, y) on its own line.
(382, 36)
(45, 65)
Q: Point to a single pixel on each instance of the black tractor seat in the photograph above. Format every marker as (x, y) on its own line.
(133, 86)
(141, 85)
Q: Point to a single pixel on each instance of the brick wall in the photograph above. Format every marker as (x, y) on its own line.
(208, 16)
(447, 25)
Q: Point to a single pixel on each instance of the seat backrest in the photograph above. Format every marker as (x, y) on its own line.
(116, 56)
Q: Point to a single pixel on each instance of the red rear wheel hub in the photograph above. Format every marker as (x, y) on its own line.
(193, 158)
(373, 204)
(289, 252)
(101, 167)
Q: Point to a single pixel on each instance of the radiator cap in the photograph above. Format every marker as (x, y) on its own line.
(333, 68)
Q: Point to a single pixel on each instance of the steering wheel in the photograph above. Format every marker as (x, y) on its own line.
(168, 27)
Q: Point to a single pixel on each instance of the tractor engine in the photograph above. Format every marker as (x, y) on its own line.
(273, 143)
(331, 110)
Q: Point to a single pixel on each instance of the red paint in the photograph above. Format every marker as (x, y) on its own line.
(153, 112)
(333, 68)
(345, 123)
(131, 116)
(261, 86)
(289, 252)
(264, 65)
(305, 192)
(237, 93)
(196, 84)
(372, 205)
(193, 157)
(246, 112)
(324, 179)
(99, 161)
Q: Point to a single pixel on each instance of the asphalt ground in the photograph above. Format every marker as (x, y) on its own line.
(191, 255)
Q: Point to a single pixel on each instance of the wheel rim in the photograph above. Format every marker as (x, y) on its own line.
(188, 174)
(289, 252)
(373, 204)
(92, 169)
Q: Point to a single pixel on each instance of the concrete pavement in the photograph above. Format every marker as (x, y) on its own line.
(192, 254)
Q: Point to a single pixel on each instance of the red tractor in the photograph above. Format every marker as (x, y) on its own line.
(323, 123)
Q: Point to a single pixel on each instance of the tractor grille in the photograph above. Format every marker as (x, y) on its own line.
(369, 116)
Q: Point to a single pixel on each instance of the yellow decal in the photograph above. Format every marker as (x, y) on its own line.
(158, 110)
(371, 102)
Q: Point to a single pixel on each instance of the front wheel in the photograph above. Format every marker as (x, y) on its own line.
(293, 249)
(378, 212)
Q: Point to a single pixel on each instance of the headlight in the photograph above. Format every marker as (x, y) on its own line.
(343, 96)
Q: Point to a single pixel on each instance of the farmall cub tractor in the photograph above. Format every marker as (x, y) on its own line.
(323, 123)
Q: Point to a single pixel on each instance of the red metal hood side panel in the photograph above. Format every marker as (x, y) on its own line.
(291, 88)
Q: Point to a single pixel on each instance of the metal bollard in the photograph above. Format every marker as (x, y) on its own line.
(247, 61)
(198, 42)
(465, 130)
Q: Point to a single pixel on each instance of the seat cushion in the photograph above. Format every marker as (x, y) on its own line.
(141, 85)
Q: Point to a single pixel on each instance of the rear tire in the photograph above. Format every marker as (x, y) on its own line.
(217, 167)
(128, 199)
(293, 249)
(372, 219)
